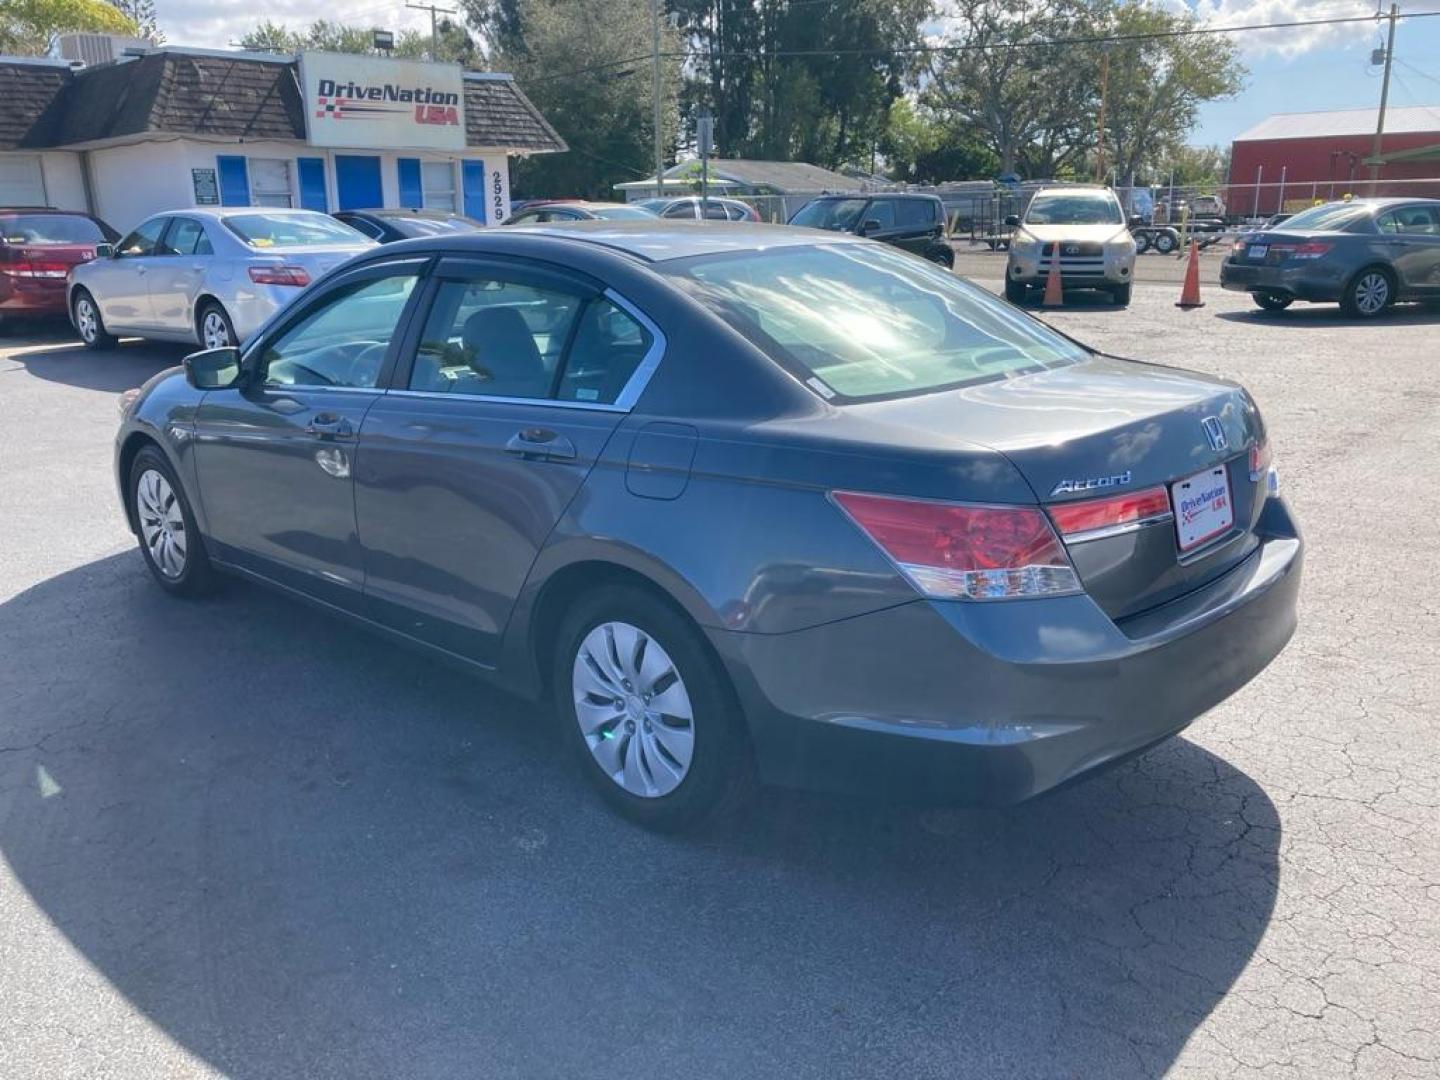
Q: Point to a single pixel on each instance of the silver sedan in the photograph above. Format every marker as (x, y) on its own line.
(205, 275)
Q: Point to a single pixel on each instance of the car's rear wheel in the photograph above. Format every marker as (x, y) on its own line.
(1369, 293)
(1165, 242)
(169, 539)
(1272, 301)
(216, 332)
(1017, 292)
(88, 323)
(649, 711)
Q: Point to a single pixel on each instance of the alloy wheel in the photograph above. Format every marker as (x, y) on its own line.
(162, 524)
(633, 709)
(85, 319)
(213, 331)
(1372, 292)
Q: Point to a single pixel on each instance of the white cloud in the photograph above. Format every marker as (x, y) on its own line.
(1287, 42)
(218, 24)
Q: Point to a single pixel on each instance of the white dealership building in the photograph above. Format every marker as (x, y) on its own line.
(165, 128)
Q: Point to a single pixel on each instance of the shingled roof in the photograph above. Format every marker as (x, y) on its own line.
(28, 93)
(182, 93)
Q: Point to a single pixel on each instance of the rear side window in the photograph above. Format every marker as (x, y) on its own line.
(915, 213)
(491, 338)
(1409, 221)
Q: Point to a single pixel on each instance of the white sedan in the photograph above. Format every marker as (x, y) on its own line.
(205, 275)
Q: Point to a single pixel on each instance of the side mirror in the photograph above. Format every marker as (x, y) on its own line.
(214, 369)
(1013, 220)
(105, 251)
(868, 226)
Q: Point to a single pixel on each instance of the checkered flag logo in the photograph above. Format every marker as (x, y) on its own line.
(334, 108)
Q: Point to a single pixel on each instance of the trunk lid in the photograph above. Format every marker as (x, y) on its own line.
(1275, 246)
(317, 261)
(46, 262)
(1108, 427)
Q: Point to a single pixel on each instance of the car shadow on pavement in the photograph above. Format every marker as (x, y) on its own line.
(302, 851)
(60, 358)
(1329, 316)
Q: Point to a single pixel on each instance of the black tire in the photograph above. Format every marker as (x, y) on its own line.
(1272, 301)
(1142, 243)
(1368, 293)
(85, 314)
(1120, 294)
(1017, 292)
(196, 576)
(208, 311)
(1165, 242)
(720, 773)
(943, 258)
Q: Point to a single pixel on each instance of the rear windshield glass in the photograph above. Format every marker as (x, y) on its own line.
(291, 230)
(1331, 217)
(623, 213)
(432, 226)
(1077, 208)
(837, 214)
(859, 322)
(50, 229)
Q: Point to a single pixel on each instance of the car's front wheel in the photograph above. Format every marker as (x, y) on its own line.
(1369, 293)
(216, 332)
(1272, 301)
(648, 710)
(169, 539)
(88, 323)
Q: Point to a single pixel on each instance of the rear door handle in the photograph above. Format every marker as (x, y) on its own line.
(328, 423)
(540, 444)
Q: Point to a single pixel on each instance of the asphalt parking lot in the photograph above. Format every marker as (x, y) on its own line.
(238, 837)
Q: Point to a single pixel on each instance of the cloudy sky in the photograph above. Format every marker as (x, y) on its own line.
(1290, 70)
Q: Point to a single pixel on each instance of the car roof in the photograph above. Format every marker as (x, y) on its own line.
(661, 240)
(1076, 189)
(876, 195)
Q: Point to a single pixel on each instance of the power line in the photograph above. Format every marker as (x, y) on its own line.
(930, 50)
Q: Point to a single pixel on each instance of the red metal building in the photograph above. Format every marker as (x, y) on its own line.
(1325, 154)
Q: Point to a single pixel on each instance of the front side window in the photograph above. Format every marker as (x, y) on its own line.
(684, 209)
(492, 338)
(437, 180)
(143, 240)
(882, 213)
(343, 340)
(1075, 208)
(270, 182)
(839, 215)
(268, 231)
(859, 322)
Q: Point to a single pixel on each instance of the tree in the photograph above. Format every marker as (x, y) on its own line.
(1193, 165)
(142, 14)
(27, 27)
(586, 66)
(920, 149)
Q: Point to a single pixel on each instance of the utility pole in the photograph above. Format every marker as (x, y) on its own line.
(655, 94)
(1100, 127)
(435, 10)
(1384, 97)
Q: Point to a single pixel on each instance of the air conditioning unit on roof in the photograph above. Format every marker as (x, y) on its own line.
(92, 49)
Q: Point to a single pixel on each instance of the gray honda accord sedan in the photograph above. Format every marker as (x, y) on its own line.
(740, 500)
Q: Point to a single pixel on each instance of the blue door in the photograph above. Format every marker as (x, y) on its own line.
(312, 183)
(357, 182)
(472, 178)
(234, 180)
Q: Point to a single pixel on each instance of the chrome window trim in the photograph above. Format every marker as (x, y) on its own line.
(1107, 531)
(624, 401)
(327, 387)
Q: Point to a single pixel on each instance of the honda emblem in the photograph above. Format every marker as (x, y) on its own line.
(1214, 432)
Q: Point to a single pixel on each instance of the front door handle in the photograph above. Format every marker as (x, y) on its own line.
(540, 444)
(328, 423)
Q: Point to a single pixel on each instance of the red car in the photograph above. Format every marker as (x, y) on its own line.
(38, 247)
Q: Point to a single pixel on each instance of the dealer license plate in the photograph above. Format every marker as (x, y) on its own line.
(1259, 251)
(1203, 509)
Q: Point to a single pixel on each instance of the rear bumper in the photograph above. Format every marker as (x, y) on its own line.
(1318, 280)
(37, 297)
(966, 702)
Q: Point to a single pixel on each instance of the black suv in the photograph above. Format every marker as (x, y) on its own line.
(913, 222)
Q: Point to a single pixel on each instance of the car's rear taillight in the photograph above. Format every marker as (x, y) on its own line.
(956, 551)
(1262, 467)
(280, 275)
(1080, 520)
(33, 269)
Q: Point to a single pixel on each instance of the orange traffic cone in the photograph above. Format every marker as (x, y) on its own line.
(1054, 295)
(1190, 291)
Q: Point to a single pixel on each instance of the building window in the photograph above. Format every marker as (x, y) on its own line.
(438, 180)
(270, 182)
